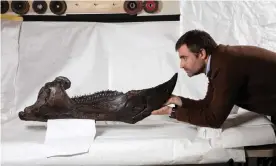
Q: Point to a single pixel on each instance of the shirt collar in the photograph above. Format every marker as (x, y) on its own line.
(208, 65)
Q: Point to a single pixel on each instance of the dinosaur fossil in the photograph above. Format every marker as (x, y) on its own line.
(54, 103)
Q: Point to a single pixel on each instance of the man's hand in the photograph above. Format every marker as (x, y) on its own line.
(166, 110)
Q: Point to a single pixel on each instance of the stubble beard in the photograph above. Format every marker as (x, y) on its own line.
(201, 70)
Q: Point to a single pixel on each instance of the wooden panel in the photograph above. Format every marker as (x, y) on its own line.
(103, 7)
(96, 6)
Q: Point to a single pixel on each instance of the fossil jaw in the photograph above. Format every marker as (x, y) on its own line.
(130, 107)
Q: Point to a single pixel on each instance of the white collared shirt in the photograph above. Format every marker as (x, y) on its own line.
(208, 65)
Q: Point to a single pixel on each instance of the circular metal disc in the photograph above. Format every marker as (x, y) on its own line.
(40, 7)
(4, 7)
(133, 7)
(58, 7)
(151, 6)
(20, 7)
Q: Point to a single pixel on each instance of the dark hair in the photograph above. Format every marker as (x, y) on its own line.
(196, 40)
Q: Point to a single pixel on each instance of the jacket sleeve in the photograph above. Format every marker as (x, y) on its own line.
(213, 110)
(191, 103)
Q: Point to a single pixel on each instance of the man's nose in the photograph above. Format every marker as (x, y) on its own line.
(182, 65)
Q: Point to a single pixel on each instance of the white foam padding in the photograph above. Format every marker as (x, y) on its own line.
(10, 31)
(121, 144)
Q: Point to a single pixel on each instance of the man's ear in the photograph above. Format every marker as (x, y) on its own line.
(203, 54)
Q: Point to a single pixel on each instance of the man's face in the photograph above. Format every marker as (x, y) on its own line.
(192, 63)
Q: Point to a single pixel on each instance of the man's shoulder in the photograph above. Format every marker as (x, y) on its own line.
(244, 52)
(227, 58)
(235, 56)
(243, 60)
(234, 50)
(223, 58)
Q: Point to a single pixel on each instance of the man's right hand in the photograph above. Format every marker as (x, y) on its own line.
(174, 100)
(166, 110)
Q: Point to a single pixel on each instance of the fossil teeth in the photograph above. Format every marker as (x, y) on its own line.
(100, 95)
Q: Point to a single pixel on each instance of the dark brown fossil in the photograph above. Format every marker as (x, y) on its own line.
(54, 103)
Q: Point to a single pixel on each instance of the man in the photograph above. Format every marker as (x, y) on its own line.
(238, 75)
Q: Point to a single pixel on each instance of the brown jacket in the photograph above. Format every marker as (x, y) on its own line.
(239, 75)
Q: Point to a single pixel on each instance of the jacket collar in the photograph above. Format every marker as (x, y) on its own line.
(213, 63)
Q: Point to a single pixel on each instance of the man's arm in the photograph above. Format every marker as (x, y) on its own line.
(191, 103)
(213, 110)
